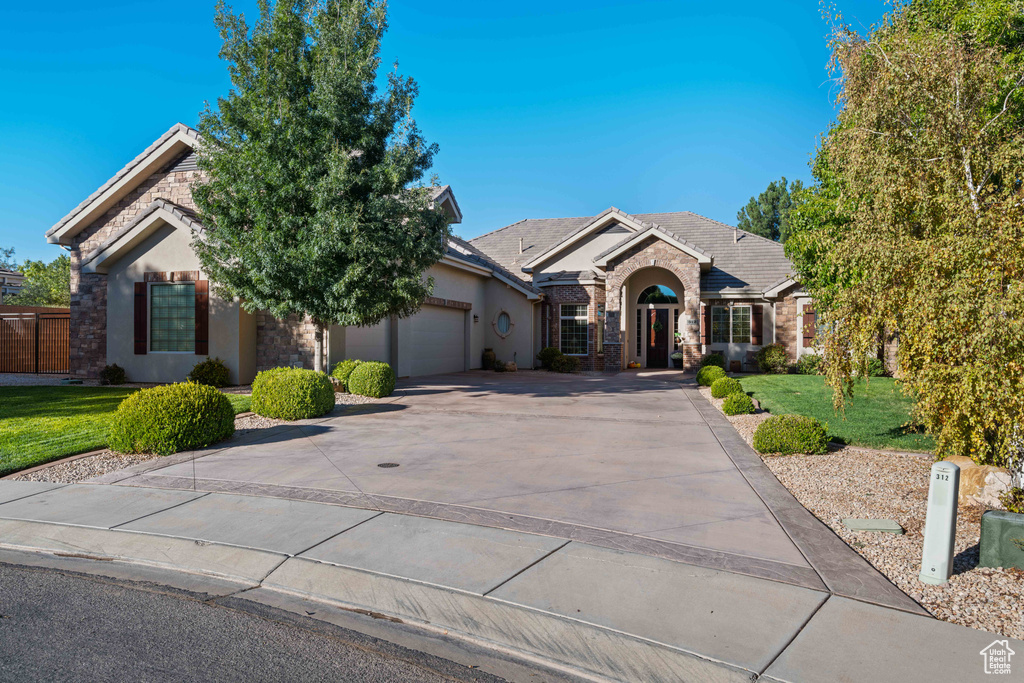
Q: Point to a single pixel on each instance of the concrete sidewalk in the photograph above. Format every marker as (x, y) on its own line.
(596, 612)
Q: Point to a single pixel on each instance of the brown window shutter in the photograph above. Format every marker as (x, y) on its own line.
(705, 327)
(202, 317)
(809, 329)
(756, 325)
(141, 316)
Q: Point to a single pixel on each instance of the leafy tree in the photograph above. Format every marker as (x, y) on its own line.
(916, 223)
(7, 261)
(46, 284)
(309, 170)
(767, 214)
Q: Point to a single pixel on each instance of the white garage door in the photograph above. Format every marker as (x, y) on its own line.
(438, 341)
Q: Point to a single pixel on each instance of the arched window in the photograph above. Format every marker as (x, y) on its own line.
(657, 294)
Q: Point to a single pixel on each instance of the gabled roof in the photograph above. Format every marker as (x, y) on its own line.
(743, 263)
(443, 195)
(159, 212)
(461, 250)
(654, 230)
(164, 149)
(607, 217)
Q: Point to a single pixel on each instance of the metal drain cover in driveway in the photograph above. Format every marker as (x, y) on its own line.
(388, 464)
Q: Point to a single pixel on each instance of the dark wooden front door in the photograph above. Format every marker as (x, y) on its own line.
(657, 339)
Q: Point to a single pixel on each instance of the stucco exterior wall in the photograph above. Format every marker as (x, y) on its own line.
(581, 255)
(88, 342)
(517, 345)
(168, 249)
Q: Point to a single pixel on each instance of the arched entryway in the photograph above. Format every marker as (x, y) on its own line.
(654, 317)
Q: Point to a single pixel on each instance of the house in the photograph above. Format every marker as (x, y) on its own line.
(10, 283)
(621, 288)
(140, 299)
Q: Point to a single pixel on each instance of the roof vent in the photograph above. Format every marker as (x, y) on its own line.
(735, 235)
(520, 245)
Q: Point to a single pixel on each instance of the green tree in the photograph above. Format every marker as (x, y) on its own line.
(767, 214)
(310, 168)
(46, 284)
(7, 261)
(916, 223)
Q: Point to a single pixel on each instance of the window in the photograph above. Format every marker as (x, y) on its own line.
(573, 339)
(172, 317)
(599, 332)
(639, 332)
(503, 324)
(730, 325)
(719, 325)
(657, 294)
(741, 325)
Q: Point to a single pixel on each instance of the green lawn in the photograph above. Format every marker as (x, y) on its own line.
(40, 424)
(873, 418)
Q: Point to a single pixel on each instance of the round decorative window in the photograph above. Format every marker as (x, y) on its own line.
(503, 324)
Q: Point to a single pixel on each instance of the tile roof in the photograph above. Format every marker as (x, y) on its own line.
(461, 249)
(749, 264)
(651, 227)
(178, 127)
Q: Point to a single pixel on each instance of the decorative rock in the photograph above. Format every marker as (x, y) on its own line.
(510, 367)
(886, 526)
(982, 484)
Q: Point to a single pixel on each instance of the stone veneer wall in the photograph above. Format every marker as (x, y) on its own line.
(88, 340)
(652, 253)
(788, 324)
(284, 343)
(592, 295)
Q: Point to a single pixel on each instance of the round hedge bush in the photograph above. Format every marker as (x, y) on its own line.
(773, 359)
(292, 394)
(712, 359)
(788, 434)
(212, 372)
(737, 404)
(343, 370)
(171, 418)
(707, 375)
(113, 374)
(547, 356)
(723, 386)
(373, 379)
(566, 364)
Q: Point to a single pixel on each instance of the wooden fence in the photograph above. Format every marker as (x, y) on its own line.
(34, 339)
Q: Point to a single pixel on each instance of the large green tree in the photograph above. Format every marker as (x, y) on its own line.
(46, 284)
(767, 214)
(310, 168)
(916, 223)
(7, 261)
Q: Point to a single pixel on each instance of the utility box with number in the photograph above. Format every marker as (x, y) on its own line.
(940, 524)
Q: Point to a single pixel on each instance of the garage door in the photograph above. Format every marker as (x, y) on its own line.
(438, 341)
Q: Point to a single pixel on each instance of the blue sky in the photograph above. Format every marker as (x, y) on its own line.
(540, 109)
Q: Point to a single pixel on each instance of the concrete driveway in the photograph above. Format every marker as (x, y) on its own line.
(574, 456)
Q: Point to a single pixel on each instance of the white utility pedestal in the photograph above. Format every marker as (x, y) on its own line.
(940, 524)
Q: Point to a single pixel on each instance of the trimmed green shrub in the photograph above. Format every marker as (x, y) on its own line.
(737, 404)
(547, 356)
(212, 372)
(171, 418)
(716, 359)
(707, 375)
(373, 379)
(292, 394)
(499, 365)
(876, 368)
(810, 364)
(772, 359)
(566, 364)
(343, 370)
(788, 434)
(723, 386)
(113, 374)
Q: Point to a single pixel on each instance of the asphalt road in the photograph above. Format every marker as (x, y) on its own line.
(56, 626)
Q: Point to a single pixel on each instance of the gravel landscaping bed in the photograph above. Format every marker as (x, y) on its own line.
(865, 483)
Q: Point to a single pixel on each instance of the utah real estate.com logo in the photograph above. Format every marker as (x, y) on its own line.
(997, 657)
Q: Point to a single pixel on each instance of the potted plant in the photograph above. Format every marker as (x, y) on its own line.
(677, 359)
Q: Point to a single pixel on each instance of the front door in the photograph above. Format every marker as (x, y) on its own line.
(657, 339)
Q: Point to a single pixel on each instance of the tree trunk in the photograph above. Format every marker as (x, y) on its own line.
(318, 348)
